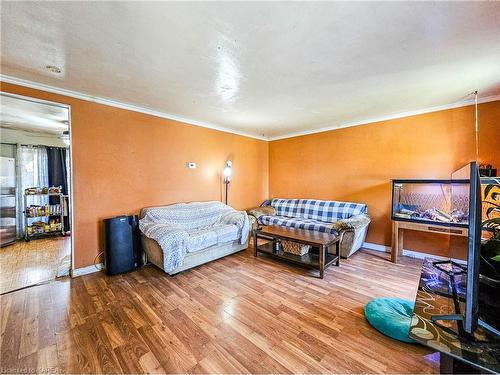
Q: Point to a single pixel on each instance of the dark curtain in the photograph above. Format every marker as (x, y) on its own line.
(58, 176)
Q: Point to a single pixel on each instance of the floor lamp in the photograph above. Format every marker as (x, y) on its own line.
(228, 169)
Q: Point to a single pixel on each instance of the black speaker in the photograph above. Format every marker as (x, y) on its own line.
(123, 244)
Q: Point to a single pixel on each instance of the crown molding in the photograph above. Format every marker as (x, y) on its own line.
(121, 105)
(322, 129)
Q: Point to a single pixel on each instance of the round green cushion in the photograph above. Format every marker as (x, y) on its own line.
(391, 316)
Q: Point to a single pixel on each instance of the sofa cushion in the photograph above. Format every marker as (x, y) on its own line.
(299, 223)
(352, 223)
(259, 211)
(226, 232)
(200, 239)
(324, 211)
(329, 211)
(285, 207)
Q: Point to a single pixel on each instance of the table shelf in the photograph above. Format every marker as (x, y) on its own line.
(308, 260)
(321, 241)
(37, 216)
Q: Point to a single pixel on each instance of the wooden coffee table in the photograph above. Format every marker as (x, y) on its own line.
(321, 240)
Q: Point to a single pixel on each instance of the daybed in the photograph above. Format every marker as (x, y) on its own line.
(323, 216)
(185, 235)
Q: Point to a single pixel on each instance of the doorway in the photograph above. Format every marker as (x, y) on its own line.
(36, 196)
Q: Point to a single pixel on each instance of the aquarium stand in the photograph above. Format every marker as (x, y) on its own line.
(398, 228)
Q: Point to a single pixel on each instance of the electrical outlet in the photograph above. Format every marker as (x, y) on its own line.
(191, 165)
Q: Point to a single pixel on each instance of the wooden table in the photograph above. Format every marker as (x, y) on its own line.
(398, 228)
(323, 241)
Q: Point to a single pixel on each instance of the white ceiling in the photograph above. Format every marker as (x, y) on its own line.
(33, 117)
(262, 68)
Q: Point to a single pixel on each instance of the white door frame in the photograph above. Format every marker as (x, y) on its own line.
(71, 167)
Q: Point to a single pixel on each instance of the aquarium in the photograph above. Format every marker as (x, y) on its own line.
(441, 202)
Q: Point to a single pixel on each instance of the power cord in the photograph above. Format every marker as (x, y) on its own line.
(95, 259)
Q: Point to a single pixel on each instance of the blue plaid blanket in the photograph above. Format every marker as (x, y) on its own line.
(308, 224)
(317, 210)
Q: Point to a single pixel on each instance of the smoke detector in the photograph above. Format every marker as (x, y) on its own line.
(53, 69)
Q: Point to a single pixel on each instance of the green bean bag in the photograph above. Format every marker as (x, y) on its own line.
(391, 316)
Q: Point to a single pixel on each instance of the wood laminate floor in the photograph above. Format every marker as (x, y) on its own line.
(28, 263)
(235, 315)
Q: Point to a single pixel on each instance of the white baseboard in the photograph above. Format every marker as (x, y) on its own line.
(376, 247)
(408, 253)
(367, 245)
(86, 270)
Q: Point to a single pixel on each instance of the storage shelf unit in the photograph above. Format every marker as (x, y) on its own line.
(59, 213)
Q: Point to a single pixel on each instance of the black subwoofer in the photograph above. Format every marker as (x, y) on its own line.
(123, 245)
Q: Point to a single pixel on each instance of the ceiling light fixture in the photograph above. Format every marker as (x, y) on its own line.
(53, 69)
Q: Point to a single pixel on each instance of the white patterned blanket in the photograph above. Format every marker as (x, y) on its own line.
(174, 226)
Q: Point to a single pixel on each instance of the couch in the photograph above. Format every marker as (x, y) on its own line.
(349, 219)
(185, 235)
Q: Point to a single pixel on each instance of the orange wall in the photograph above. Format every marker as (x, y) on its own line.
(357, 163)
(124, 160)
